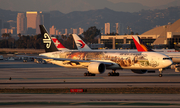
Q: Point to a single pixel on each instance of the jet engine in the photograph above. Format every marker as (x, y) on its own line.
(139, 71)
(176, 67)
(96, 68)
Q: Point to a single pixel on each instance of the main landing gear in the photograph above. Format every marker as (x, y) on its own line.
(89, 74)
(160, 72)
(113, 73)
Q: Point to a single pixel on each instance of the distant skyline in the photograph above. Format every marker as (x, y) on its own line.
(149, 3)
(67, 6)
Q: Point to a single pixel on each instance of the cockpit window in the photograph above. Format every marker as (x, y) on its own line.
(166, 58)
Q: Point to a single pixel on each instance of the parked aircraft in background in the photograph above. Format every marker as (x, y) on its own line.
(97, 62)
(142, 47)
(58, 44)
(82, 46)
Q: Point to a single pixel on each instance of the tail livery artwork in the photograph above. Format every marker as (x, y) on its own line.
(48, 43)
(58, 44)
(96, 62)
(81, 45)
(140, 45)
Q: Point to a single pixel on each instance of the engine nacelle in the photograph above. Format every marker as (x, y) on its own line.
(176, 60)
(139, 71)
(176, 67)
(96, 68)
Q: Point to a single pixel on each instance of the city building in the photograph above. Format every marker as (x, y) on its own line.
(74, 31)
(5, 30)
(167, 36)
(52, 30)
(21, 24)
(12, 23)
(66, 32)
(117, 28)
(57, 32)
(31, 19)
(39, 21)
(107, 28)
(34, 19)
(81, 30)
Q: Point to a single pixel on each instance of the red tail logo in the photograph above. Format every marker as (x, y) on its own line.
(140, 45)
(81, 44)
(57, 43)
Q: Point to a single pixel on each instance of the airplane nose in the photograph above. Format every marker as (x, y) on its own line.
(168, 63)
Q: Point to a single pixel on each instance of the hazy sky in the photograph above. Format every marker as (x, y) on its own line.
(66, 6)
(149, 3)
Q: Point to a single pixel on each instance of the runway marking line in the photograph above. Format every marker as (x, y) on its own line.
(76, 103)
(53, 78)
(89, 103)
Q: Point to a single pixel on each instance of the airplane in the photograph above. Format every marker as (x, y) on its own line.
(142, 47)
(82, 46)
(96, 62)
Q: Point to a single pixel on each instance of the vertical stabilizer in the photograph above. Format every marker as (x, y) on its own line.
(81, 45)
(47, 41)
(58, 44)
(140, 45)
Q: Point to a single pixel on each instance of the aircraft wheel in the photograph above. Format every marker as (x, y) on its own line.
(85, 74)
(160, 75)
(93, 74)
(88, 74)
(117, 74)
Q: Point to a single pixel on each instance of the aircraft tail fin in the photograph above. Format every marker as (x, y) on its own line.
(81, 45)
(140, 45)
(58, 44)
(47, 41)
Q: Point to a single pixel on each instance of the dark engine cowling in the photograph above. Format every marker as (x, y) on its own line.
(96, 68)
(139, 71)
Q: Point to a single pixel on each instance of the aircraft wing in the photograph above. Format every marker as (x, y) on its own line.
(67, 60)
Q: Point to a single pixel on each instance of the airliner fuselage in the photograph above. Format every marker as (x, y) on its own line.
(125, 60)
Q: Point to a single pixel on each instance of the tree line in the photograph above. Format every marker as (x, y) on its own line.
(35, 42)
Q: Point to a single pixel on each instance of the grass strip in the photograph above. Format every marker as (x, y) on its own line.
(128, 90)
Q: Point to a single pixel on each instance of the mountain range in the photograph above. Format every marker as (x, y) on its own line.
(139, 22)
(67, 6)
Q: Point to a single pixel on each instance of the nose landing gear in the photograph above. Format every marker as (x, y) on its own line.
(160, 72)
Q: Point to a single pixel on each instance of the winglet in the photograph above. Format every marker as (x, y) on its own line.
(81, 45)
(140, 45)
(48, 43)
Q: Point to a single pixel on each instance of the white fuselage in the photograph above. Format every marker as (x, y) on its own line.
(120, 60)
(171, 53)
